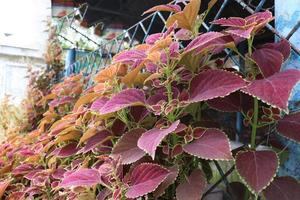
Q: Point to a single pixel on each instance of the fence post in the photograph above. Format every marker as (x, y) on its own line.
(287, 22)
(70, 59)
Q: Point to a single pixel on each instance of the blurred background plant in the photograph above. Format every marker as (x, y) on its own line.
(41, 81)
(12, 117)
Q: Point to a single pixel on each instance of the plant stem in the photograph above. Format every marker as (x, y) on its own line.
(250, 42)
(254, 123)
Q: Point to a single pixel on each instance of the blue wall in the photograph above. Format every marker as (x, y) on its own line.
(287, 14)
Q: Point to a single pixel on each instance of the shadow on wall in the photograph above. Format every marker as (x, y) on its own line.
(287, 15)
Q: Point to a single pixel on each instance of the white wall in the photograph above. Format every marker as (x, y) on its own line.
(23, 36)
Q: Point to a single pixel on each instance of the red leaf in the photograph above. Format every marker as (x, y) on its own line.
(202, 41)
(104, 194)
(257, 168)
(167, 182)
(169, 8)
(193, 187)
(289, 126)
(230, 103)
(269, 61)
(81, 177)
(124, 99)
(284, 47)
(213, 144)
(96, 140)
(214, 83)
(230, 22)
(276, 89)
(68, 150)
(243, 33)
(145, 178)
(283, 188)
(127, 148)
(150, 140)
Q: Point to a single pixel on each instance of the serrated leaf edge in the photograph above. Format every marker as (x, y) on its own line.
(158, 184)
(210, 158)
(125, 163)
(153, 156)
(177, 173)
(245, 182)
(188, 101)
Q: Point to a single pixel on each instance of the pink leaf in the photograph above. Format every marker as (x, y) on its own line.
(81, 177)
(98, 139)
(269, 61)
(184, 34)
(257, 168)
(243, 33)
(68, 150)
(129, 56)
(150, 140)
(124, 99)
(213, 144)
(214, 83)
(283, 188)
(276, 89)
(284, 47)
(151, 39)
(203, 41)
(104, 194)
(230, 103)
(170, 8)
(193, 187)
(145, 178)
(167, 182)
(231, 22)
(289, 126)
(127, 149)
(23, 169)
(99, 103)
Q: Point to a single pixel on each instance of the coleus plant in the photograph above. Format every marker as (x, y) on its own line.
(153, 122)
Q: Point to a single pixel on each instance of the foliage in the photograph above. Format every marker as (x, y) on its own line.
(12, 118)
(152, 123)
(40, 82)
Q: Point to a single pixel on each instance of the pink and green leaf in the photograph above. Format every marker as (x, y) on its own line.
(81, 177)
(150, 140)
(124, 99)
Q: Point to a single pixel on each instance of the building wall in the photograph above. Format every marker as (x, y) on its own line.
(23, 37)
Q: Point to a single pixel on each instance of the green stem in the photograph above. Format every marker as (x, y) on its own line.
(254, 123)
(250, 42)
